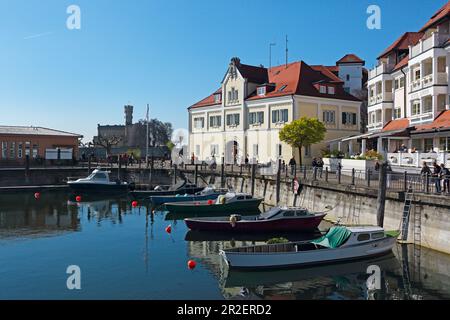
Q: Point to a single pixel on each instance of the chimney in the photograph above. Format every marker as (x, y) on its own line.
(128, 115)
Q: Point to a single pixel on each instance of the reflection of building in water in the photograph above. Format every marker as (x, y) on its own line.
(21, 215)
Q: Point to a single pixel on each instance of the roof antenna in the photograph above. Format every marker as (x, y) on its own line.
(287, 51)
(270, 54)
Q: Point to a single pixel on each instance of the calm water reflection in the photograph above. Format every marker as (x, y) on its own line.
(125, 253)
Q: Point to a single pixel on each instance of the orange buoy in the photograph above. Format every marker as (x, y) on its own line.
(37, 195)
(78, 198)
(191, 264)
(169, 229)
(134, 204)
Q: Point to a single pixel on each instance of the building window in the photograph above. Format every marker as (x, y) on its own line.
(217, 97)
(322, 89)
(197, 150)
(330, 90)
(4, 150)
(233, 95)
(199, 123)
(215, 121)
(35, 151)
(255, 150)
(307, 151)
(214, 150)
(27, 148)
(233, 119)
(373, 117)
(396, 83)
(417, 74)
(402, 82)
(444, 144)
(329, 116)
(415, 108)
(428, 145)
(261, 91)
(280, 116)
(12, 150)
(19, 150)
(427, 104)
(349, 118)
(397, 113)
(416, 144)
(256, 117)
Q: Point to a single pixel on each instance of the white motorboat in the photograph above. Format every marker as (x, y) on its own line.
(339, 244)
(98, 182)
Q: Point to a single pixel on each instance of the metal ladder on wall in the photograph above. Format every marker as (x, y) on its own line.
(406, 214)
(417, 241)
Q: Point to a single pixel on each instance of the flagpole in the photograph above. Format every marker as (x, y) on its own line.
(146, 149)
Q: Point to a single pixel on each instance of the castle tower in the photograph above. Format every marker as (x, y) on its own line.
(128, 115)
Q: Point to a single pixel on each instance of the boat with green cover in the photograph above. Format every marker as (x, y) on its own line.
(224, 204)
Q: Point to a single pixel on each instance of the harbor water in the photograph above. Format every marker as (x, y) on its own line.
(124, 252)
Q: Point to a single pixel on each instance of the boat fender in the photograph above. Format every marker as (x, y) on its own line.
(222, 199)
(233, 220)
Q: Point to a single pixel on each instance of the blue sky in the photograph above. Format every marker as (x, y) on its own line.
(168, 53)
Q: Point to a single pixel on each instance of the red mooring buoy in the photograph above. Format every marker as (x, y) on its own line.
(191, 264)
(78, 198)
(37, 195)
(169, 229)
(134, 204)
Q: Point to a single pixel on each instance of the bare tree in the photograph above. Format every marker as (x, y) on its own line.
(107, 142)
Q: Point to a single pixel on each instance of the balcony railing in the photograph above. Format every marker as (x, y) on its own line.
(416, 85)
(427, 80)
(441, 78)
(406, 159)
(382, 68)
(436, 39)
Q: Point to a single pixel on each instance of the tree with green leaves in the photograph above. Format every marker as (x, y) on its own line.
(303, 132)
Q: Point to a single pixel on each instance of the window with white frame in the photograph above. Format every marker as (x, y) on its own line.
(329, 116)
(217, 97)
(215, 121)
(402, 82)
(214, 150)
(330, 90)
(444, 144)
(199, 122)
(373, 117)
(233, 95)
(280, 116)
(396, 83)
(4, 149)
(261, 91)
(35, 151)
(322, 89)
(233, 119)
(427, 104)
(349, 118)
(19, 150)
(27, 148)
(256, 117)
(397, 113)
(417, 74)
(415, 108)
(255, 150)
(12, 150)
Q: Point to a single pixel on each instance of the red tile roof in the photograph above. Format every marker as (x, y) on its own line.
(440, 122)
(296, 78)
(441, 14)
(396, 124)
(403, 42)
(350, 58)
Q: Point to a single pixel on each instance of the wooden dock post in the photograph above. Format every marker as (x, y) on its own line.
(381, 200)
(253, 177)
(174, 174)
(222, 174)
(196, 174)
(278, 181)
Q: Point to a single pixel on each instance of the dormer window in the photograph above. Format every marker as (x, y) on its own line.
(330, 90)
(217, 97)
(322, 89)
(261, 91)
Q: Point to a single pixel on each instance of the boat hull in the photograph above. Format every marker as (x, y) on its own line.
(159, 200)
(269, 260)
(248, 225)
(91, 188)
(211, 210)
(148, 193)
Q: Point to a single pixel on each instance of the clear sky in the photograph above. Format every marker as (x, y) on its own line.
(168, 53)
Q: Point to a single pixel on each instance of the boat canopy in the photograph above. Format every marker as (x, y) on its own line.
(335, 237)
(271, 213)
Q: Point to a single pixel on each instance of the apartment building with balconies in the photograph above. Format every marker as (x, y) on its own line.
(408, 91)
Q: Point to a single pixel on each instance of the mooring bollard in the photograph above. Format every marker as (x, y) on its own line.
(353, 176)
(326, 174)
(339, 175)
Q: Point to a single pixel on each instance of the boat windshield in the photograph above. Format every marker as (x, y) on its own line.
(335, 237)
(97, 176)
(271, 213)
